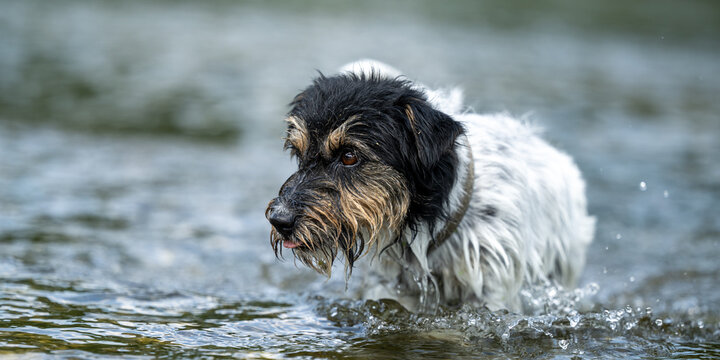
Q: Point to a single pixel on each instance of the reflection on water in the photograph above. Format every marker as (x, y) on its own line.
(139, 145)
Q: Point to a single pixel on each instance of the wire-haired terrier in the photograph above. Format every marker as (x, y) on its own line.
(456, 207)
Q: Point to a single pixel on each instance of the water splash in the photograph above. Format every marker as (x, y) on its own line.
(561, 322)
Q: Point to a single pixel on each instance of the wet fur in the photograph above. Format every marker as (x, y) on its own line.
(527, 220)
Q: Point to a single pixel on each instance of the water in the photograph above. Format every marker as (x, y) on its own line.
(140, 143)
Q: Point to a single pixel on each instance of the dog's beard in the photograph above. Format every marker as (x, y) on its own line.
(320, 253)
(315, 240)
(348, 219)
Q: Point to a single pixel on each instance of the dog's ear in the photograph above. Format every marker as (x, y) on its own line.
(433, 131)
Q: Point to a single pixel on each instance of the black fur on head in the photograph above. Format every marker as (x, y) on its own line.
(401, 171)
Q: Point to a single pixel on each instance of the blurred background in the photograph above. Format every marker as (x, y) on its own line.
(140, 142)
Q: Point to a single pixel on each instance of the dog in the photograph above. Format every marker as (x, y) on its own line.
(455, 207)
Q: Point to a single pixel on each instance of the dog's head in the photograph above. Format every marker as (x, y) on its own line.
(374, 158)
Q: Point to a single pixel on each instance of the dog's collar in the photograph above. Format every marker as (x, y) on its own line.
(457, 216)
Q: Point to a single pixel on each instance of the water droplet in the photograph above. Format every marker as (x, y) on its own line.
(505, 336)
(643, 186)
(592, 288)
(700, 324)
(607, 248)
(564, 344)
(604, 270)
(666, 194)
(618, 236)
(658, 322)
(574, 319)
(632, 279)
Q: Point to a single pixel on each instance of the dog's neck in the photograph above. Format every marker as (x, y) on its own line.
(460, 196)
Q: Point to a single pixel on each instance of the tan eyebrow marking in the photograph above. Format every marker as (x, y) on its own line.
(297, 135)
(338, 137)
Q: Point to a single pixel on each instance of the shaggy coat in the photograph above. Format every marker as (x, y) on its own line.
(454, 207)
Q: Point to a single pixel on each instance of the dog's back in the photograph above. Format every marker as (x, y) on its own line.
(529, 217)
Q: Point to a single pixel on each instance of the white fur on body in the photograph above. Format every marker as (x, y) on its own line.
(527, 221)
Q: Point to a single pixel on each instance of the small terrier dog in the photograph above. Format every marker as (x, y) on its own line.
(457, 207)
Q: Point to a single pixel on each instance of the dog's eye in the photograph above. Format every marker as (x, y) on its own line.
(349, 158)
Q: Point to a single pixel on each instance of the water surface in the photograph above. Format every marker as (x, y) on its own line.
(140, 143)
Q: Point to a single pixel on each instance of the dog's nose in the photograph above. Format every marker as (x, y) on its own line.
(282, 219)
